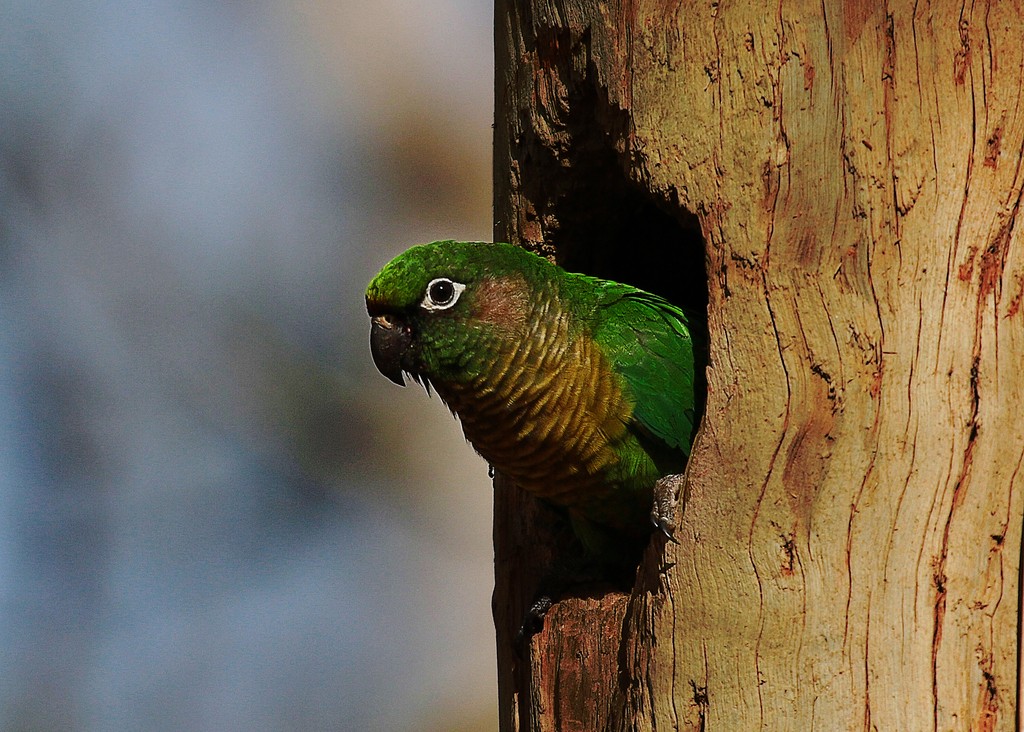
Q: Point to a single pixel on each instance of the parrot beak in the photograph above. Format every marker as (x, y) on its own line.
(389, 340)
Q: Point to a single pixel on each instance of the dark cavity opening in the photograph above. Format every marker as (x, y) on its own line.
(596, 217)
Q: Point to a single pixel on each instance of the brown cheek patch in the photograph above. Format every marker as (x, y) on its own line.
(503, 301)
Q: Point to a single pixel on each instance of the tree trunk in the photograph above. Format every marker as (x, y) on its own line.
(841, 182)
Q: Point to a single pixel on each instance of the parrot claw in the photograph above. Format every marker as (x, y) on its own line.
(667, 530)
(667, 492)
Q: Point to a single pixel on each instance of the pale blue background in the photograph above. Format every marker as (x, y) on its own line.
(214, 514)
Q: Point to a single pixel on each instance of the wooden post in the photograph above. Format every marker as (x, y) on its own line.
(846, 179)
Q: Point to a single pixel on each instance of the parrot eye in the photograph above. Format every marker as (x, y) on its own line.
(442, 293)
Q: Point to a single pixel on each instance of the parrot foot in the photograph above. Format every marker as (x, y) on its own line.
(533, 619)
(667, 494)
(571, 575)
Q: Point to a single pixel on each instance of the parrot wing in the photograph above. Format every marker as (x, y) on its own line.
(649, 342)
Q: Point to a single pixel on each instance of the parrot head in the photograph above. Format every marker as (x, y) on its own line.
(438, 311)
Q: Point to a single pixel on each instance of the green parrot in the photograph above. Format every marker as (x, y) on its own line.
(581, 390)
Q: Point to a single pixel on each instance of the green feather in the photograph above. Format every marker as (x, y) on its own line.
(648, 341)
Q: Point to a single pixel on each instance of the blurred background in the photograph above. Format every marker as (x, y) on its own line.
(214, 513)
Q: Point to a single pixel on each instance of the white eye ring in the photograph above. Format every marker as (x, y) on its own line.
(441, 294)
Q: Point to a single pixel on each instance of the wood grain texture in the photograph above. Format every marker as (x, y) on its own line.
(849, 553)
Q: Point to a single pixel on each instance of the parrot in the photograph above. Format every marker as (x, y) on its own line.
(583, 391)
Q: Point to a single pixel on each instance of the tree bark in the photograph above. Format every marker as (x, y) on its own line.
(849, 551)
